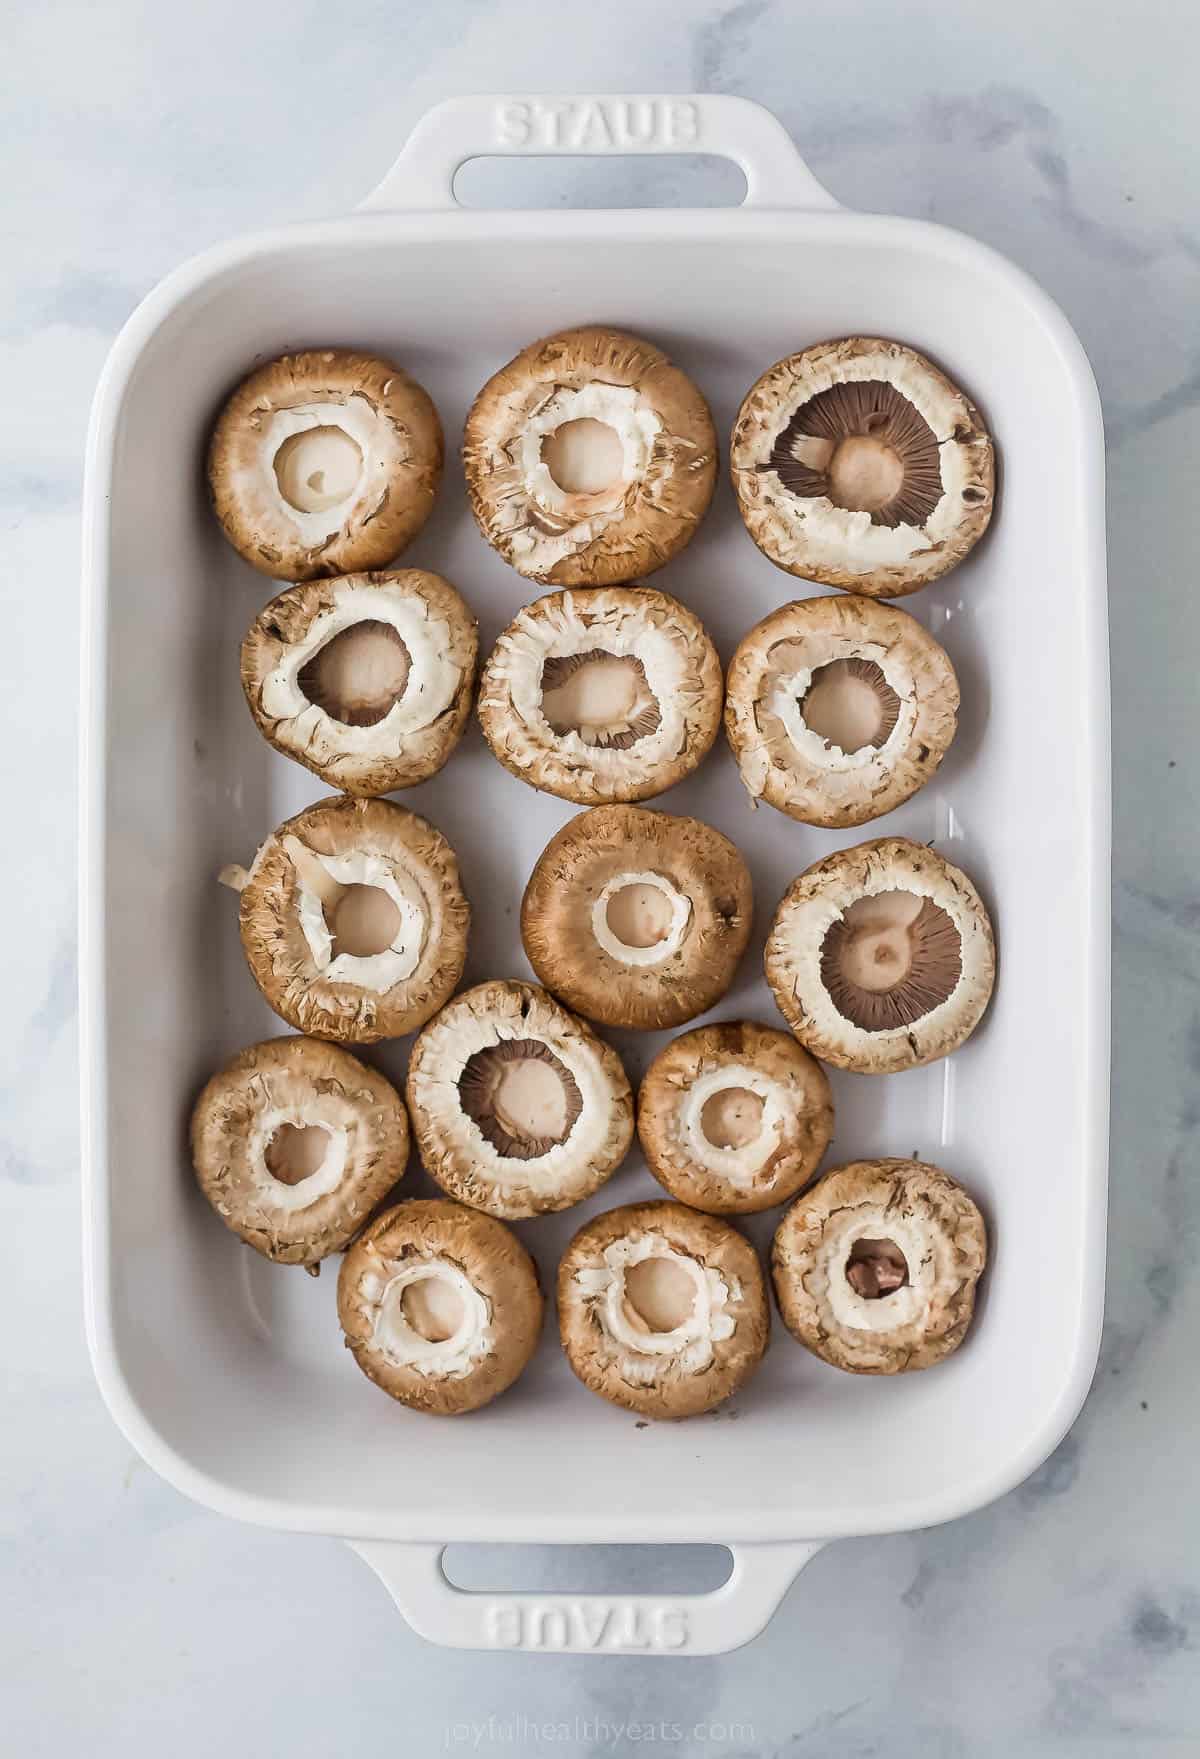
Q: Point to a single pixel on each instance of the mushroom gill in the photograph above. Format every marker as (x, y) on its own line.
(889, 959)
(603, 697)
(866, 448)
(359, 674)
(849, 703)
(523, 1099)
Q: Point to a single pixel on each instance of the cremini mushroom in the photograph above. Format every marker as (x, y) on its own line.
(875, 1268)
(637, 918)
(661, 1309)
(353, 920)
(590, 459)
(881, 957)
(839, 708)
(366, 680)
(605, 693)
(734, 1117)
(324, 462)
(518, 1108)
(440, 1306)
(294, 1142)
(859, 464)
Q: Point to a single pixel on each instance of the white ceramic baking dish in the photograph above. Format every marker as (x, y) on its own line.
(226, 1373)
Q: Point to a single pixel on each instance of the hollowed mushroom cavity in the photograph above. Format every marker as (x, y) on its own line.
(517, 1106)
(366, 680)
(637, 919)
(294, 1143)
(524, 1100)
(875, 1268)
(589, 459)
(318, 468)
(353, 920)
(881, 957)
(735, 1117)
(839, 708)
(584, 456)
(661, 1309)
(602, 697)
(859, 464)
(296, 1151)
(850, 704)
(359, 675)
(440, 1306)
(604, 694)
(324, 462)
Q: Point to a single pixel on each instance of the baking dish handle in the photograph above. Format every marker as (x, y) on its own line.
(588, 1624)
(583, 125)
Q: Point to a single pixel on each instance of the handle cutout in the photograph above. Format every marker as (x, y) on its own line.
(612, 180)
(587, 1569)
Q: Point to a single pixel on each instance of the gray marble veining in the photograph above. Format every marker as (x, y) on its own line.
(1062, 1621)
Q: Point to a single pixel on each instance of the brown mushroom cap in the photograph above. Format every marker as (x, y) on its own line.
(366, 679)
(258, 1155)
(353, 920)
(440, 1306)
(734, 1117)
(677, 890)
(661, 1309)
(881, 957)
(602, 694)
(875, 1268)
(324, 462)
(859, 464)
(580, 529)
(518, 1108)
(839, 709)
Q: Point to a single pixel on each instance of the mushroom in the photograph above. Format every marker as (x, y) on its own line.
(661, 1309)
(353, 921)
(839, 709)
(590, 459)
(734, 1117)
(875, 1268)
(602, 694)
(294, 1143)
(859, 464)
(440, 1306)
(324, 462)
(518, 1108)
(636, 918)
(366, 680)
(881, 957)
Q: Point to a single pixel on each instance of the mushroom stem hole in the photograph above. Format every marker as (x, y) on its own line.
(363, 921)
(433, 1308)
(865, 474)
(850, 704)
(296, 1151)
(318, 468)
(603, 697)
(876, 1269)
(660, 1293)
(522, 1097)
(731, 1117)
(358, 674)
(639, 915)
(584, 457)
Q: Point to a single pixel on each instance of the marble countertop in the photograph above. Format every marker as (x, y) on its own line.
(1062, 1620)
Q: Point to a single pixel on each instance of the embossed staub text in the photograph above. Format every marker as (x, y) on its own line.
(598, 125)
(586, 1624)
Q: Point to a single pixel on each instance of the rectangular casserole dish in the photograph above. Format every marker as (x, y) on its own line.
(227, 1373)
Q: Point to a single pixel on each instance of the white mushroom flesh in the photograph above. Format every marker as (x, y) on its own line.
(313, 459)
(732, 1120)
(640, 918)
(430, 683)
(789, 690)
(410, 1304)
(644, 1353)
(334, 913)
(572, 519)
(292, 1193)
